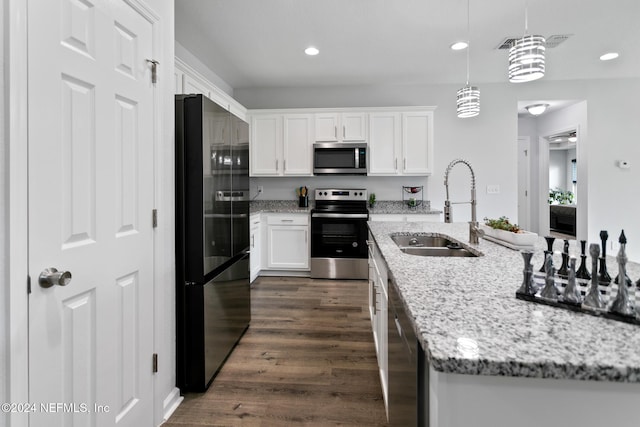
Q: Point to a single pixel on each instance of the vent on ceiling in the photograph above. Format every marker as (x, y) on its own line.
(552, 41)
(507, 43)
(556, 39)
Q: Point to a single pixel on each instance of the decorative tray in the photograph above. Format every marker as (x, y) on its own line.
(578, 308)
(517, 241)
(605, 292)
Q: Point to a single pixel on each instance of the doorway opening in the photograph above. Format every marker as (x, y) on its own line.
(557, 190)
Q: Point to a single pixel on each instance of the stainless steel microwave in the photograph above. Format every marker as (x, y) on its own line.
(339, 158)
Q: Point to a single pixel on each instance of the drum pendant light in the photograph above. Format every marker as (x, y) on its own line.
(526, 56)
(468, 97)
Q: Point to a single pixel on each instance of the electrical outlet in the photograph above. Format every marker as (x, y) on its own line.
(493, 189)
(260, 189)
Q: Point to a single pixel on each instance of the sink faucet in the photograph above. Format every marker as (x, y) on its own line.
(474, 230)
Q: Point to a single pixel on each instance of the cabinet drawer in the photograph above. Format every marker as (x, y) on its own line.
(288, 219)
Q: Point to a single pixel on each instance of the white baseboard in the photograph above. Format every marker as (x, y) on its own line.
(171, 403)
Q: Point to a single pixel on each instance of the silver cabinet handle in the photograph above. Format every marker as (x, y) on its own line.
(286, 220)
(375, 300)
(276, 165)
(344, 132)
(51, 277)
(396, 164)
(405, 165)
(335, 132)
(284, 165)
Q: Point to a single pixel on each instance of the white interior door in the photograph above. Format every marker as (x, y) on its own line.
(91, 189)
(524, 183)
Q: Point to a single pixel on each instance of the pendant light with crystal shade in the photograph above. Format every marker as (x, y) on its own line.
(526, 56)
(468, 99)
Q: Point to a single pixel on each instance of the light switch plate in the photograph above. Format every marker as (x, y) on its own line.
(493, 189)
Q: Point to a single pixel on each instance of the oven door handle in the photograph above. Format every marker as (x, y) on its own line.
(340, 215)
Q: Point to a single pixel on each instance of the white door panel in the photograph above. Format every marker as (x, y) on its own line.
(90, 201)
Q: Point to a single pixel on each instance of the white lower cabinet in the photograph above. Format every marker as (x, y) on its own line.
(288, 241)
(255, 231)
(378, 306)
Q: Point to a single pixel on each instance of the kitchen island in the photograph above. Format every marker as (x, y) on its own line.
(493, 360)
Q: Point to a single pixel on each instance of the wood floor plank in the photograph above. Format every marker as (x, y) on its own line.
(307, 359)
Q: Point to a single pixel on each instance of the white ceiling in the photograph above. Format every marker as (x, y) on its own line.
(260, 43)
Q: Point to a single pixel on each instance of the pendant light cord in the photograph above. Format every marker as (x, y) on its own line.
(526, 17)
(468, 41)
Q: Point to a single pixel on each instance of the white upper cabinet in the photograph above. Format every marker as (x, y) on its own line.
(266, 144)
(400, 139)
(296, 147)
(340, 127)
(417, 143)
(401, 143)
(281, 144)
(384, 143)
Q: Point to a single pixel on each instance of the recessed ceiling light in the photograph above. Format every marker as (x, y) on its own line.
(311, 51)
(459, 45)
(609, 56)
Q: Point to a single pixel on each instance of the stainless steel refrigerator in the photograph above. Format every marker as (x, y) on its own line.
(212, 238)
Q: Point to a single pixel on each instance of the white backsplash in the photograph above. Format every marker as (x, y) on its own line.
(385, 188)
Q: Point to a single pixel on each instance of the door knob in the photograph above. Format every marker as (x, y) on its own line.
(51, 277)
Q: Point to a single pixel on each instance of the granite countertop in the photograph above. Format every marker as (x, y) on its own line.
(399, 207)
(468, 320)
(277, 206)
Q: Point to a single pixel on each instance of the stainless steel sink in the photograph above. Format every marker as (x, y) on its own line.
(421, 241)
(425, 245)
(446, 252)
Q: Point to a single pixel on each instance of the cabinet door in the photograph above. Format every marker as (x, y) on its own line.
(354, 127)
(417, 144)
(288, 247)
(240, 131)
(266, 143)
(384, 143)
(297, 144)
(326, 125)
(255, 244)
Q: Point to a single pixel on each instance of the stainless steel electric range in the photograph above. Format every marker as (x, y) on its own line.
(339, 234)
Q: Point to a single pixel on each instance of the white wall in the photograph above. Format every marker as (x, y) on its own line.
(4, 196)
(489, 141)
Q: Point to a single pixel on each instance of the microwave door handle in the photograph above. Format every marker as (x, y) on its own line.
(357, 158)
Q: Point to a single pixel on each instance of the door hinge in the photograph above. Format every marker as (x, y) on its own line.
(154, 70)
(155, 362)
(154, 218)
(28, 284)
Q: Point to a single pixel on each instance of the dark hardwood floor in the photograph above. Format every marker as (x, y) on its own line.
(307, 359)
